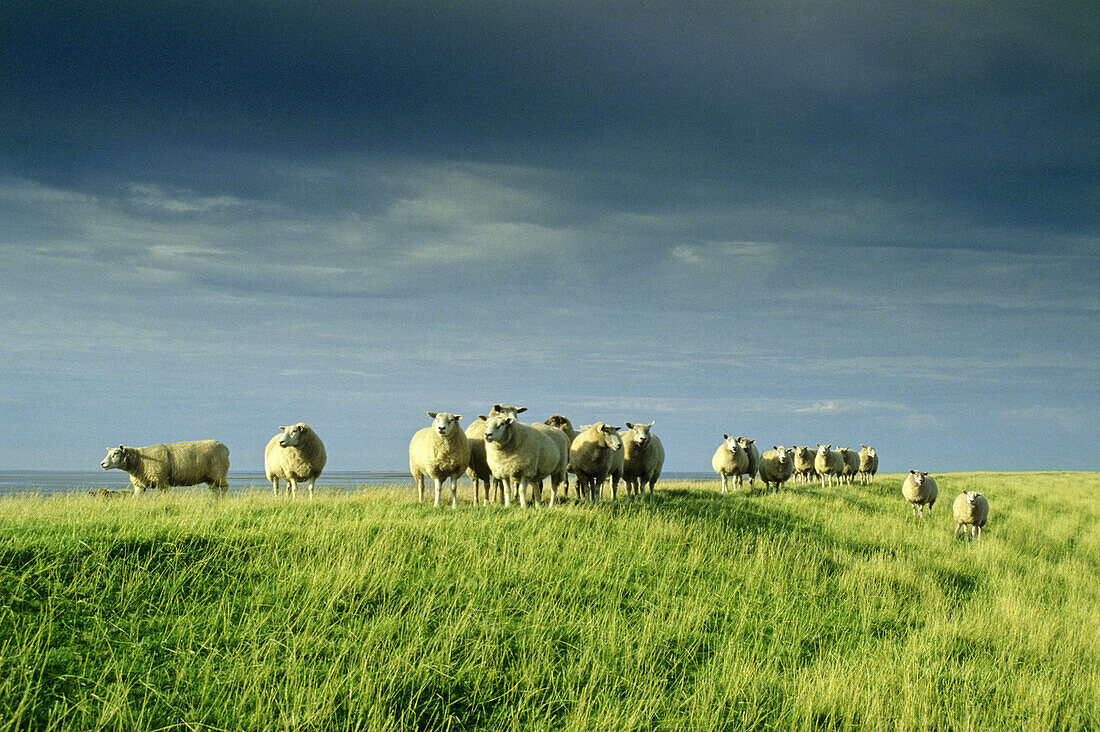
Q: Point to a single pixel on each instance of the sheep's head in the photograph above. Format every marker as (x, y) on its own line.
(781, 454)
(918, 476)
(506, 409)
(497, 428)
(823, 449)
(443, 423)
(560, 422)
(971, 497)
(116, 458)
(745, 443)
(293, 435)
(870, 450)
(612, 437)
(732, 444)
(639, 433)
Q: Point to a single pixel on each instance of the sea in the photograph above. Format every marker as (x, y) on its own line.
(55, 482)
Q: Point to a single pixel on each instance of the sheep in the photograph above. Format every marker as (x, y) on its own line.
(563, 424)
(172, 464)
(804, 464)
(498, 409)
(294, 456)
(478, 469)
(730, 460)
(920, 490)
(851, 464)
(868, 464)
(753, 454)
(776, 466)
(971, 509)
(520, 454)
(440, 452)
(643, 458)
(615, 471)
(827, 463)
(590, 455)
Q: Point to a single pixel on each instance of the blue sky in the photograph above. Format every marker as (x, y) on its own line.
(802, 222)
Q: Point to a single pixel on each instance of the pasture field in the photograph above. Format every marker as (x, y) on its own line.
(808, 609)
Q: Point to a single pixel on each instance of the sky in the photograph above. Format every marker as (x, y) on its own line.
(802, 222)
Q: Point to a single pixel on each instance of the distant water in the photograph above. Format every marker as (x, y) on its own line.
(49, 482)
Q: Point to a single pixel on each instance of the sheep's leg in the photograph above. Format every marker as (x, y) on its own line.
(723, 482)
(311, 482)
(420, 488)
(978, 533)
(523, 482)
(454, 492)
(438, 489)
(293, 487)
(275, 486)
(958, 528)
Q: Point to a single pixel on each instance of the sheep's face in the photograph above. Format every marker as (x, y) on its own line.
(443, 423)
(745, 443)
(116, 458)
(612, 438)
(971, 497)
(560, 422)
(781, 454)
(498, 428)
(871, 452)
(823, 449)
(917, 477)
(639, 433)
(506, 409)
(293, 435)
(733, 445)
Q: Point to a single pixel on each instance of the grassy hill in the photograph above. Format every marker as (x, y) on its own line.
(811, 608)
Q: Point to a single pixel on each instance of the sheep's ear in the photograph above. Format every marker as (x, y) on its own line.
(283, 429)
(724, 436)
(650, 424)
(521, 409)
(752, 442)
(121, 447)
(457, 417)
(432, 414)
(496, 407)
(483, 418)
(775, 447)
(613, 429)
(862, 445)
(509, 419)
(628, 425)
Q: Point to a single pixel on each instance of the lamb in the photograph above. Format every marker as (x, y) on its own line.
(868, 464)
(730, 460)
(295, 456)
(920, 490)
(563, 424)
(440, 452)
(776, 466)
(971, 510)
(643, 458)
(173, 464)
(590, 455)
(753, 454)
(851, 465)
(804, 464)
(827, 463)
(521, 454)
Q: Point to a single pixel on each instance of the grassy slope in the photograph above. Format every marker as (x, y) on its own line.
(811, 608)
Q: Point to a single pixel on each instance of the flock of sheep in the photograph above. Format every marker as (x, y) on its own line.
(506, 456)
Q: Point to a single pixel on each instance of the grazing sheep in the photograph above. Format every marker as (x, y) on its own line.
(643, 458)
(172, 464)
(730, 460)
(827, 463)
(295, 456)
(440, 452)
(868, 464)
(590, 455)
(521, 454)
(920, 490)
(753, 454)
(851, 465)
(804, 464)
(563, 424)
(478, 469)
(776, 466)
(971, 510)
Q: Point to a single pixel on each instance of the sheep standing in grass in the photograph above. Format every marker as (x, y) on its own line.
(440, 452)
(851, 465)
(868, 464)
(753, 454)
(730, 460)
(643, 458)
(563, 424)
(297, 455)
(776, 466)
(591, 456)
(804, 464)
(478, 470)
(827, 463)
(920, 490)
(172, 464)
(971, 509)
(521, 454)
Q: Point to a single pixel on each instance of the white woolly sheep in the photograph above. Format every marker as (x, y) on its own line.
(753, 454)
(563, 424)
(827, 463)
(851, 465)
(776, 466)
(868, 464)
(729, 460)
(804, 464)
(172, 464)
(920, 490)
(523, 454)
(971, 510)
(440, 452)
(643, 458)
(295, 456)
(591, 458)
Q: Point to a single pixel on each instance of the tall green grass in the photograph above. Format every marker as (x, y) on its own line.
(811, 608)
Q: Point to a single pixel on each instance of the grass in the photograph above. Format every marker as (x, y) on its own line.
(808, 609)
